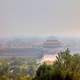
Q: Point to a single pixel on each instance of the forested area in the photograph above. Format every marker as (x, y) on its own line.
(17, 68)
(65, 67)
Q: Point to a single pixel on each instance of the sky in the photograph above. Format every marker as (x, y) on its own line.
(39, 17)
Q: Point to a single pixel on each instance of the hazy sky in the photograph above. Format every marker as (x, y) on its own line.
(39, 17)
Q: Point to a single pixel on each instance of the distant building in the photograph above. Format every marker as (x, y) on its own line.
(52, 44)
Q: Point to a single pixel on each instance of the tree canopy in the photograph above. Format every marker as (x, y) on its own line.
(65, 67)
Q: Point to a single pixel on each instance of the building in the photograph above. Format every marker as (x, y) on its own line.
(52, 44)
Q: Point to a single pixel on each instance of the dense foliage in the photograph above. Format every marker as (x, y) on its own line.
(18, 68)
(65, 67)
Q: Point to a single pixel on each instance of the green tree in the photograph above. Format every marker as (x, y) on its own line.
(65, 67)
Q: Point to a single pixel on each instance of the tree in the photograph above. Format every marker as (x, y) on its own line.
(65, 67)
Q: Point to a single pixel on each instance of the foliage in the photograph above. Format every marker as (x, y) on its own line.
(65, 67)
(19, 68)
